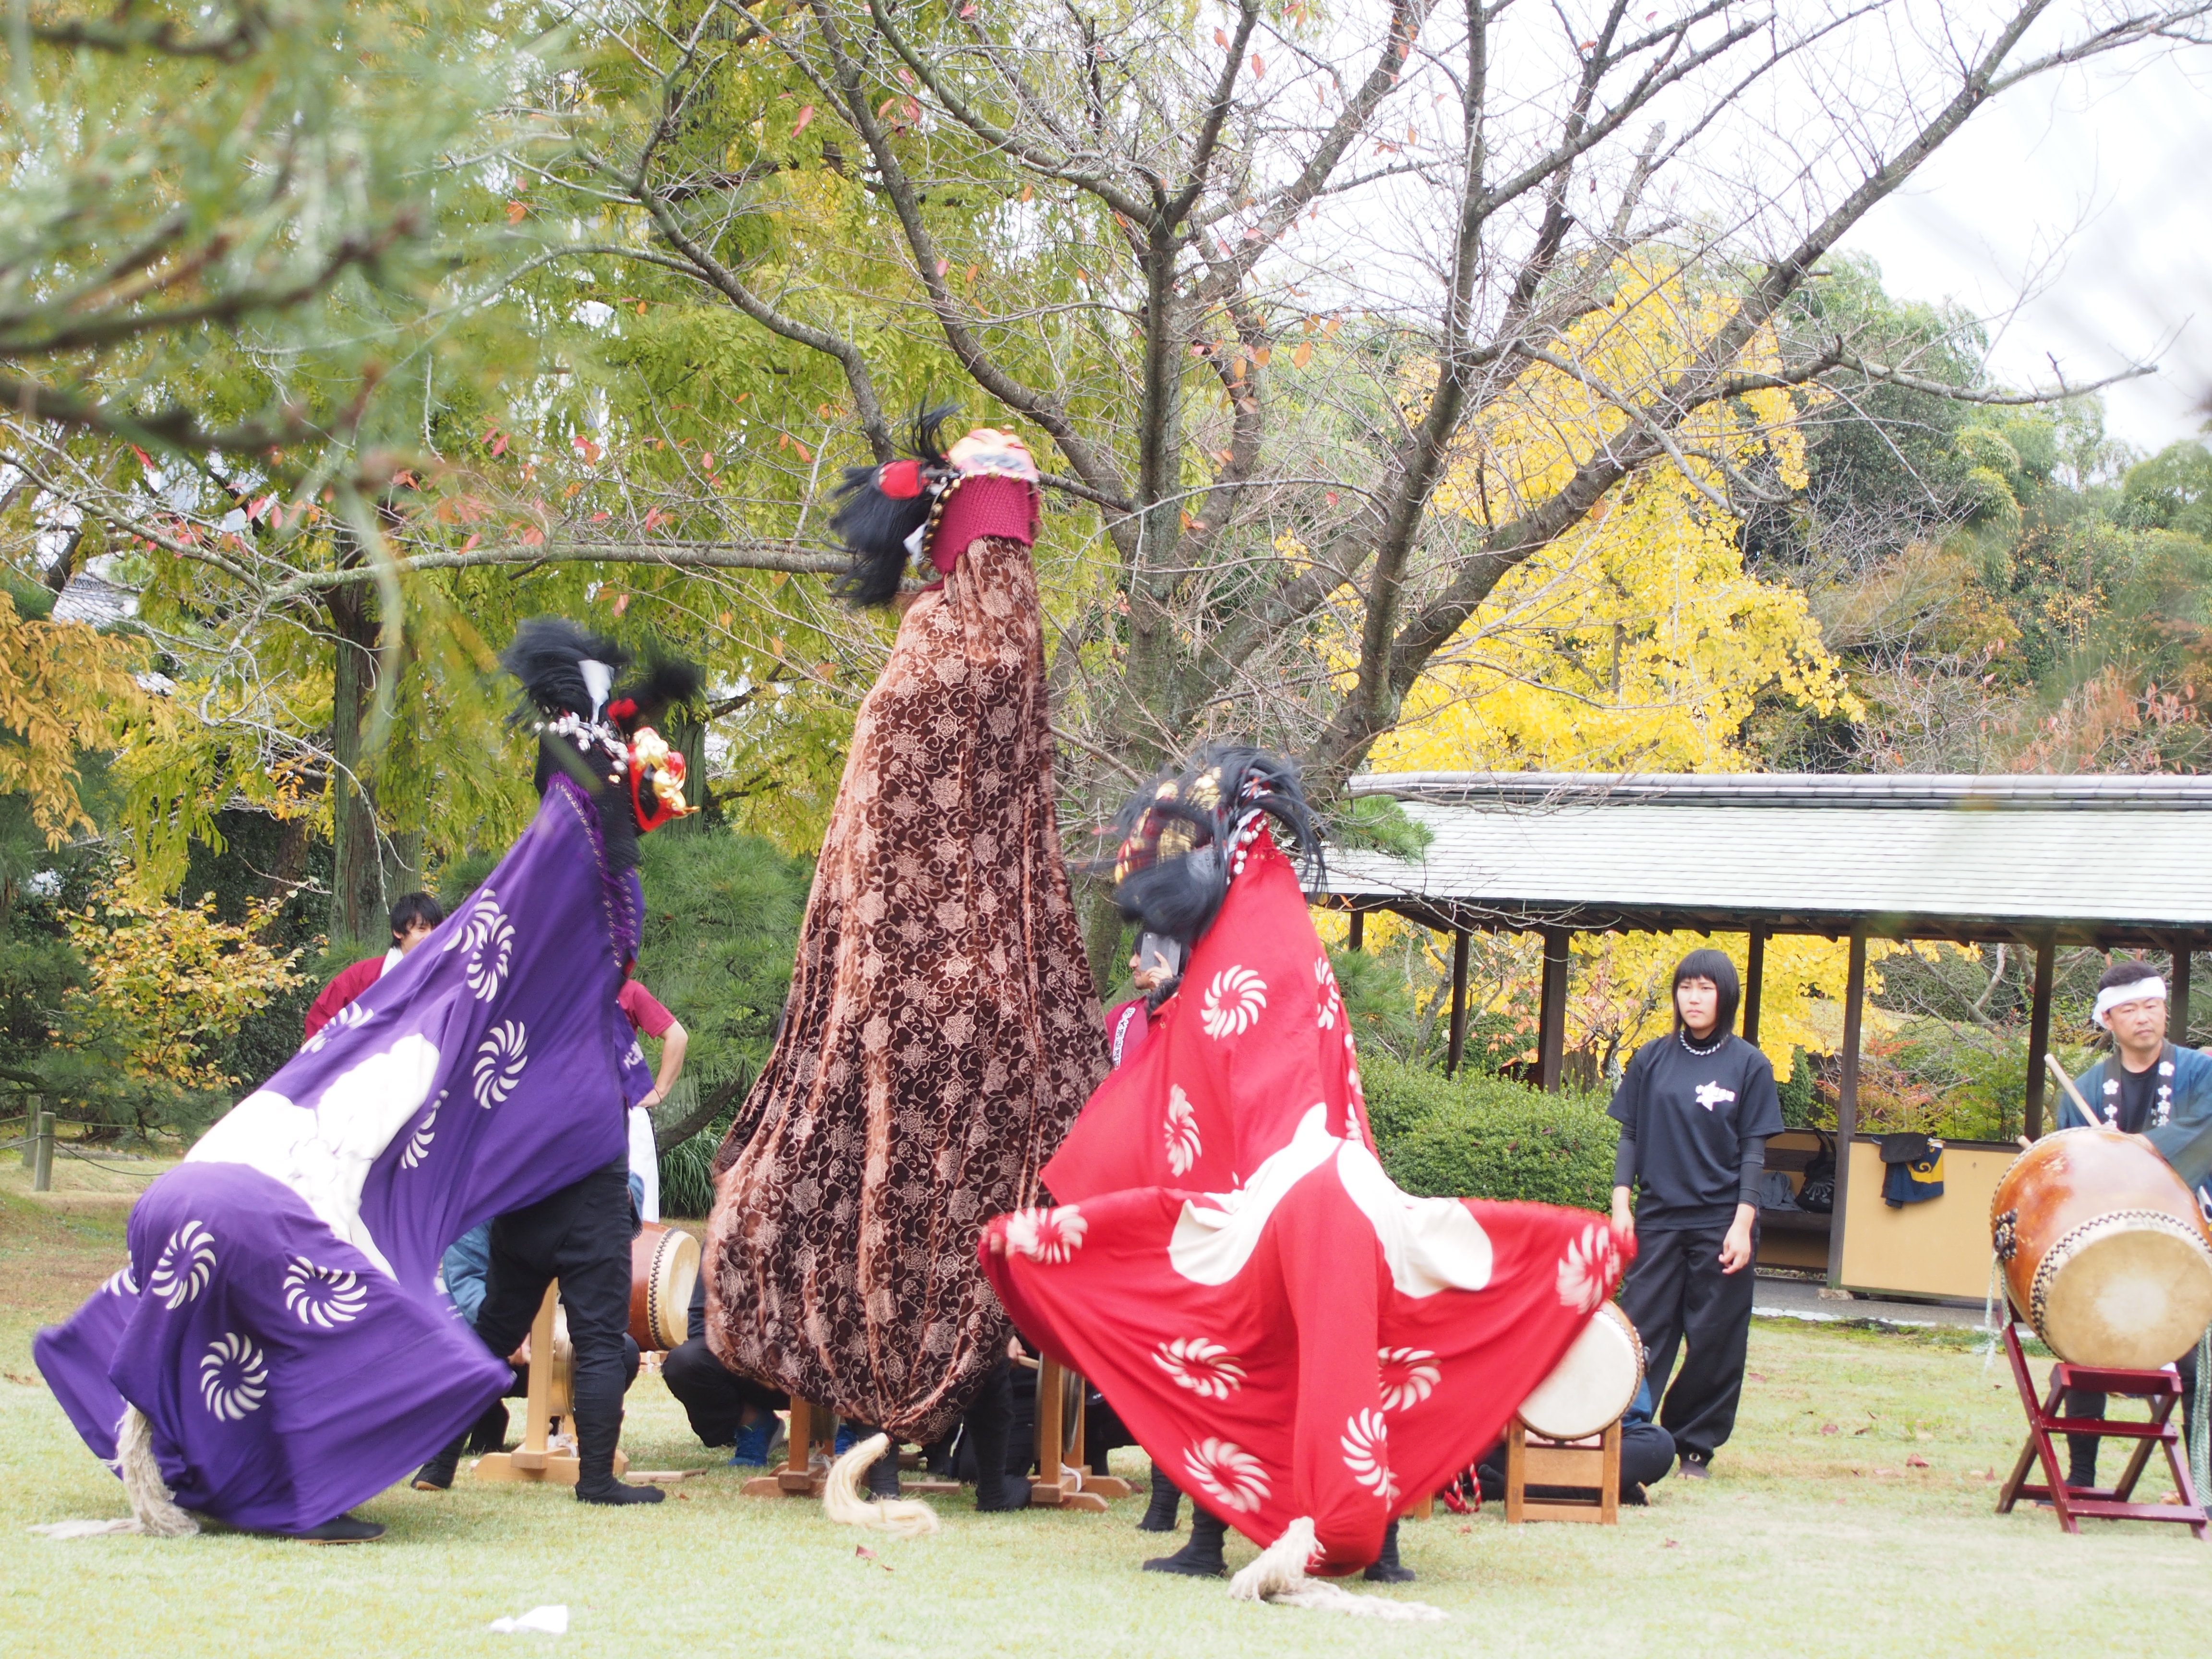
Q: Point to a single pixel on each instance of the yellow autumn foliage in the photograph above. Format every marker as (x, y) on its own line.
(170, 983)
(63, 687)
(1637, 643)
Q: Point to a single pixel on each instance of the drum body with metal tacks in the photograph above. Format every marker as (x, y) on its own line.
(1594, 1382)
(663, 1266)
(2104, 1252)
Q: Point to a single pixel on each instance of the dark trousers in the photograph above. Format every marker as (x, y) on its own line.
(2082, 1449)
(1677, 1297)
(716, 1398)
(580, 1236)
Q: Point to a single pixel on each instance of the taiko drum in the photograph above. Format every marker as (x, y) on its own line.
(663, 1266)
(2105, 1252)
(1594, 1382)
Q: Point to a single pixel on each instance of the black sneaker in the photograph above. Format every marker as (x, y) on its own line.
(344, 1529)
(1695, 1468)
(1202, 1557)
(437, 1475)
(1386, 1568)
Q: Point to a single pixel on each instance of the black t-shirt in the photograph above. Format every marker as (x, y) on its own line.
(1690, 1115)
(2133, 1096)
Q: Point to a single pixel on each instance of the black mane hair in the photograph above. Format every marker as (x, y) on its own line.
(546, 655)
(1179, 895)
(875, 527)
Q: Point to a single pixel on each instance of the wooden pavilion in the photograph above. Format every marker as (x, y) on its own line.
(2038, 862)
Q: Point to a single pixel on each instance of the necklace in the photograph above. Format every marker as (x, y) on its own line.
(1719, 1037)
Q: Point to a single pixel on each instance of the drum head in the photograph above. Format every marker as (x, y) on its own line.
(1593, 1384)
(674, 1272)
(2132, 1290)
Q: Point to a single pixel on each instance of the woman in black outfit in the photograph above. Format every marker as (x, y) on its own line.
(1695, 1108)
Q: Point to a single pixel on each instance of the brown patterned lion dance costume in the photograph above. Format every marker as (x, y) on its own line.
(943, 1029)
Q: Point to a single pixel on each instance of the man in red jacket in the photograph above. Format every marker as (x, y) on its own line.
(413, 919)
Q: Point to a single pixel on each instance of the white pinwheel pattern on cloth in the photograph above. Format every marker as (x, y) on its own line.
(489, 938)
(500, 1060)
(418, 1144)
(1366, 1443)
(1205, 1368)
(1588, 1269)
(1181, 1131)
(1409, 1376)
(1049, 1236)
(184, 1266)
(1332, 1000)
(233, 1377)
(1232, 1476)
(1232, 1003)
(124, 1281)
(328, 1296)
(353, 1014)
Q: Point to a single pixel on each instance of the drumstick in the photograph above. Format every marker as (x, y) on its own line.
(2066, 1084)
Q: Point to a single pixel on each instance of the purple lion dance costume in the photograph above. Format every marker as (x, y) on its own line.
(277, 1349)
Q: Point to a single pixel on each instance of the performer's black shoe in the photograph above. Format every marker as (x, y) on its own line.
(1385, 1568)
(614, 1491)
(1002, 1480)
(437, 1475)
(1635, 1496)
(1202, 1557)
(342, 1529)
(1696, 1467)
(1161, 1515)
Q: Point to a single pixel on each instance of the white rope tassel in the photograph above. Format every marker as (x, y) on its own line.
(142, 1480)
(153, 1515)
(1279, 1576)
(899, 1517)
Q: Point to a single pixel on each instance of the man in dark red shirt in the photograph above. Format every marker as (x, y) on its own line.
(414, 918)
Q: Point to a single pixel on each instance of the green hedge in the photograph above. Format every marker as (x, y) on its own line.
(1483, 1136)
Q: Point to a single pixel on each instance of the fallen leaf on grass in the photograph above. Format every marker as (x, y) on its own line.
(1830, 1428)
(1756, 1377)
(1670, 1544)
(1916, 1461)
(1891, 1473)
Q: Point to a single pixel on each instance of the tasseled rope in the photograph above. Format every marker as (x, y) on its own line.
(900, 1517)
(2200, 1442)
(1989, 1312)
(1279, 1576)
(153, 1512)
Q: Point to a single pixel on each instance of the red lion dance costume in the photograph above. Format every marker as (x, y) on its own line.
(1286, 1333)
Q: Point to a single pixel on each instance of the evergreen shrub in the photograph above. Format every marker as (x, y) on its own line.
(1479, 1135)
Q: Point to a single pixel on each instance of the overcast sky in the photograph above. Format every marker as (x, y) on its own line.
(2093, 194)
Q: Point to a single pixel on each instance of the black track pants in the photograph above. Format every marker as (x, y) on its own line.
(1677, 1295)
(580, 1236)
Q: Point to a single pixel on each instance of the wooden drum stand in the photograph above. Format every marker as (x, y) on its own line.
(548, 1396)
(1591, 1465)
(1062, 1483)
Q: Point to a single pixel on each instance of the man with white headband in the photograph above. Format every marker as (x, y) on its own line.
(2146, 1087)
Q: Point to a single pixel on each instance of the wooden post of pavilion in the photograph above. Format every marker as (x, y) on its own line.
(2177, 1026)
(1754, 977)
(2038, 1030)
(1847, 1101)
(1552, 1031)
(1356, 935)
(1458, 1045)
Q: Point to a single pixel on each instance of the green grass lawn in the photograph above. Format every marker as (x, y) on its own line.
(1816, 1535)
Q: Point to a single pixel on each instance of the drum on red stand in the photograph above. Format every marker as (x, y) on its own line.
(663, 1266)
(2106, 1253)
(1594, 1382)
